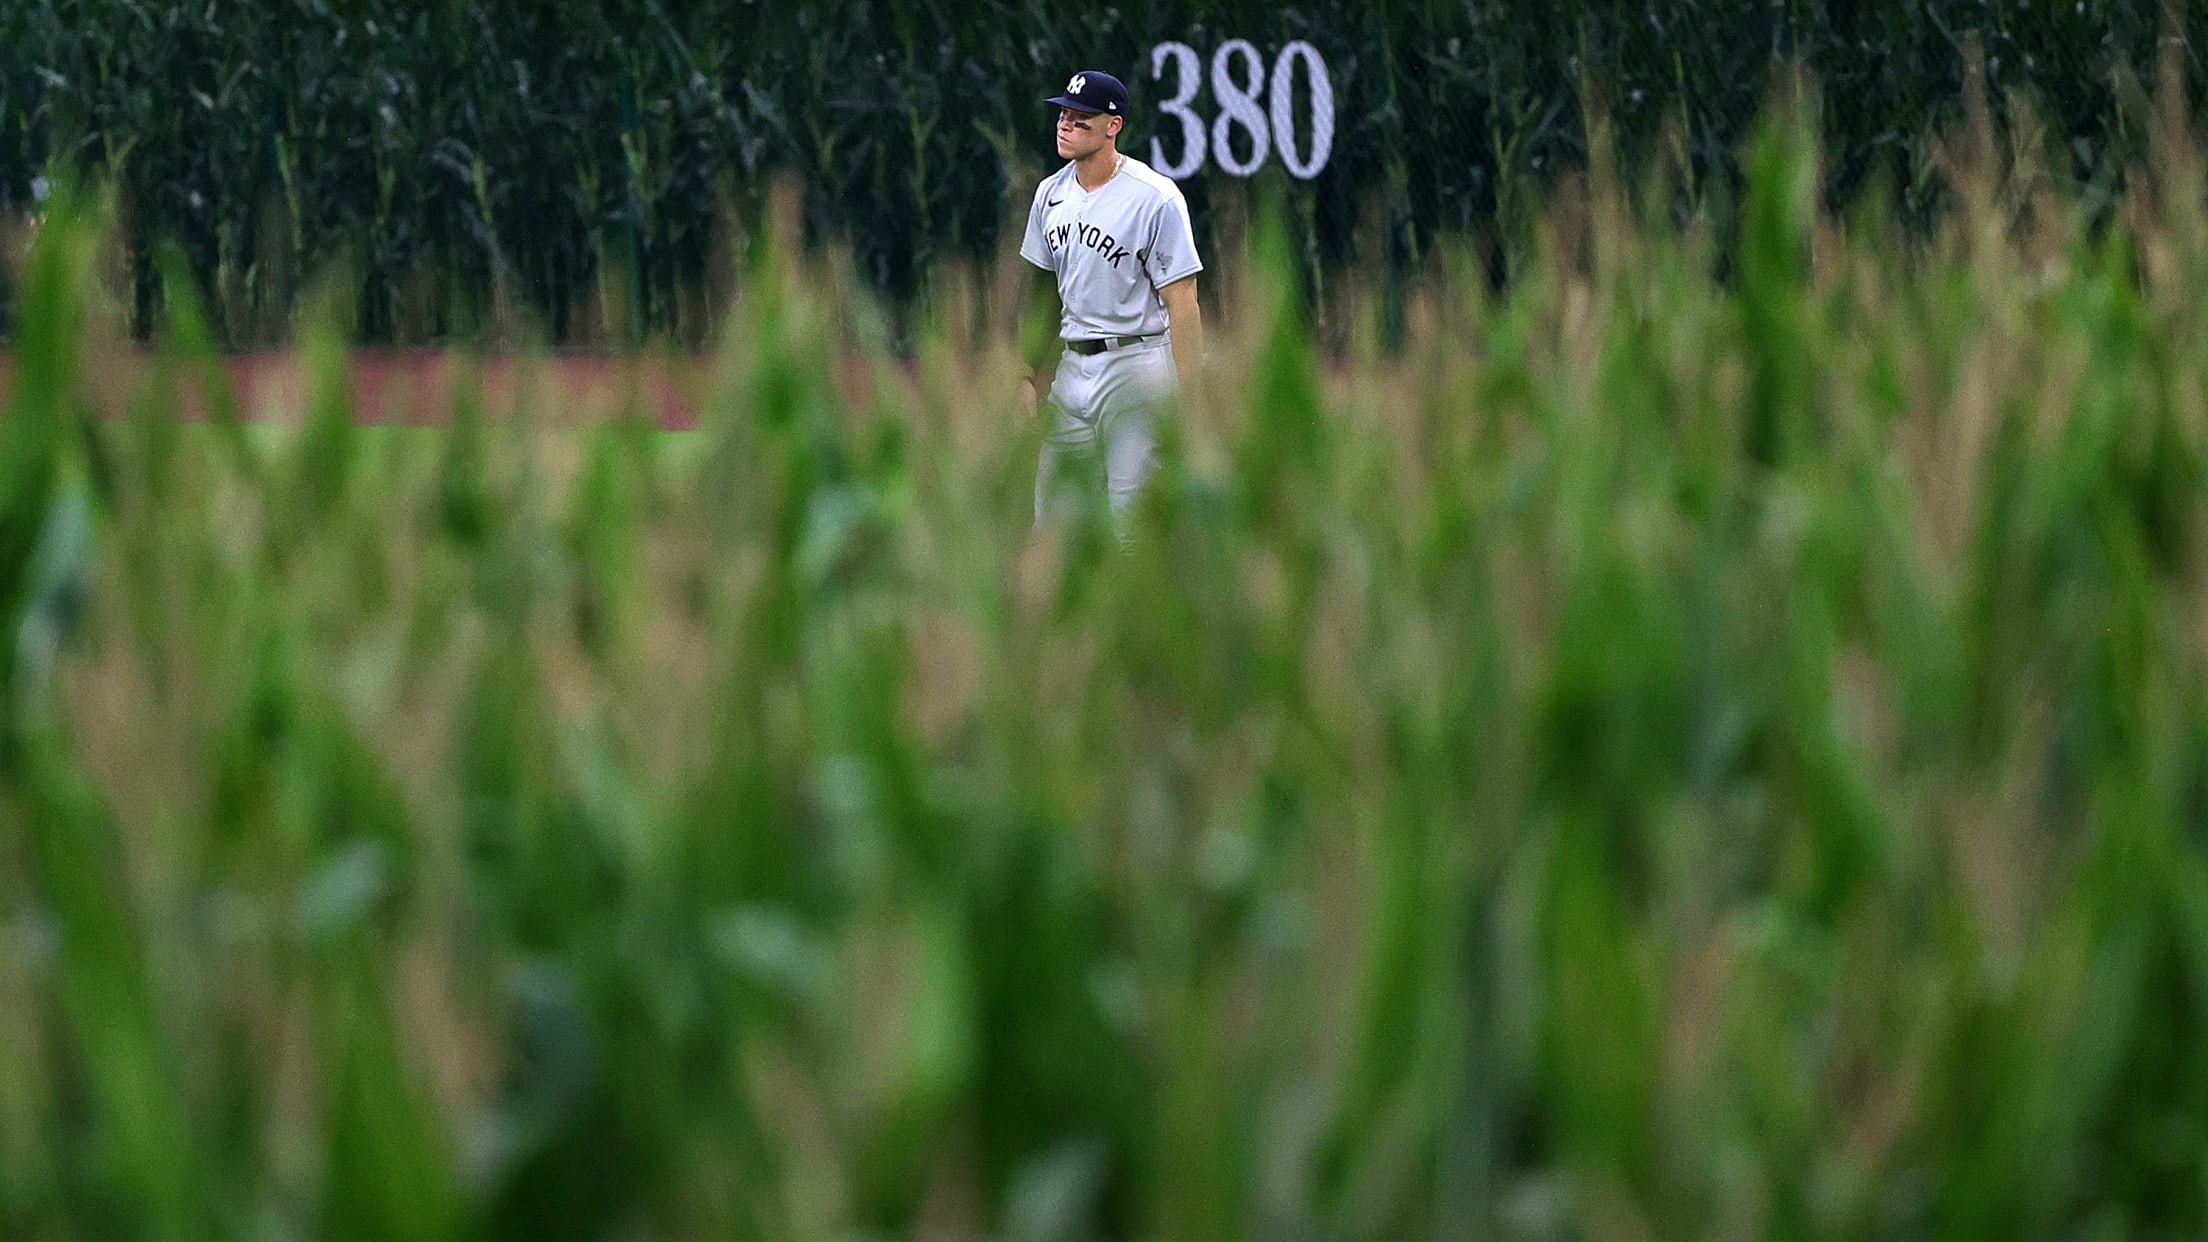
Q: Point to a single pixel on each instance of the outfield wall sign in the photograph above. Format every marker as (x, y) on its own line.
(1256, 113)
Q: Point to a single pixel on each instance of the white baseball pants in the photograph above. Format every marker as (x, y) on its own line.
(1101, 421)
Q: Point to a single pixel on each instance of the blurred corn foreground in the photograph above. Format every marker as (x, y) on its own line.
(582, 171)
(1654, 756)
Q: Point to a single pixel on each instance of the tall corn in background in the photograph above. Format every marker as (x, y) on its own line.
(588, 173)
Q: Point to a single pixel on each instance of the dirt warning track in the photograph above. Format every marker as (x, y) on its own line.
(420, 386)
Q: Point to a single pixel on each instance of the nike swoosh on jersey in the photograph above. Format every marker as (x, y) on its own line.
(1054, 202)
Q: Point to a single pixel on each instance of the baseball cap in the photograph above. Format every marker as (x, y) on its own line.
(1093, 90)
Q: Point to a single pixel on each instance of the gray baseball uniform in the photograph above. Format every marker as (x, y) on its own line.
(1112, 249)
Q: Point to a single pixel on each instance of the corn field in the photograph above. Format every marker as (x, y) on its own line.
(590, 174)
(1648, 757)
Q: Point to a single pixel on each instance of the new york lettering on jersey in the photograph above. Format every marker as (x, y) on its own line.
(1089, 235)
(1111, 249)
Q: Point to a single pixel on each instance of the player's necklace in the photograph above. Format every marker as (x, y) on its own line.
(1119, 161)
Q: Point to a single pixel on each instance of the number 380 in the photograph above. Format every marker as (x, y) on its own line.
(1237, 78)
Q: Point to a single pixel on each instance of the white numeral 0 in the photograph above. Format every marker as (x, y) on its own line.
(1322, 110)
(1238, 109)
(1189, 80)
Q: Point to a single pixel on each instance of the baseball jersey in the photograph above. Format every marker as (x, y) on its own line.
(1112, 249)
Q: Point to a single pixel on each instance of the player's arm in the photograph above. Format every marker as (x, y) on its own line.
(1173, 267)
(1187, 321)
(1039, 325)
(1038, 337)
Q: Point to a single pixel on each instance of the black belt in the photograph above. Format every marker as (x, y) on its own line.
(1109, 342)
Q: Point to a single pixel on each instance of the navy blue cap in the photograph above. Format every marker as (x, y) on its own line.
(1093, 90)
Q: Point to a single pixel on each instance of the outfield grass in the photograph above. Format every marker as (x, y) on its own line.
(1652, 758)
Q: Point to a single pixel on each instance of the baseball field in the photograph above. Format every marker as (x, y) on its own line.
(1710, 742)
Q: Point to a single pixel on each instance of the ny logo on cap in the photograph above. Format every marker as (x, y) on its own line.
(1079, 84)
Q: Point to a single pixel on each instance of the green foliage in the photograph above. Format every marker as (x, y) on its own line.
(595, 169)
(1652, 756)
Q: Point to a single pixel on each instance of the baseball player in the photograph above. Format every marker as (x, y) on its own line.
(1116, 235)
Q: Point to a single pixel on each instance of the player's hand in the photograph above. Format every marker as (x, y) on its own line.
(1193, 386)
(1028, 400)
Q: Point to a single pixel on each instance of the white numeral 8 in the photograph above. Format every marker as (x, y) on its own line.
(1238, 107)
